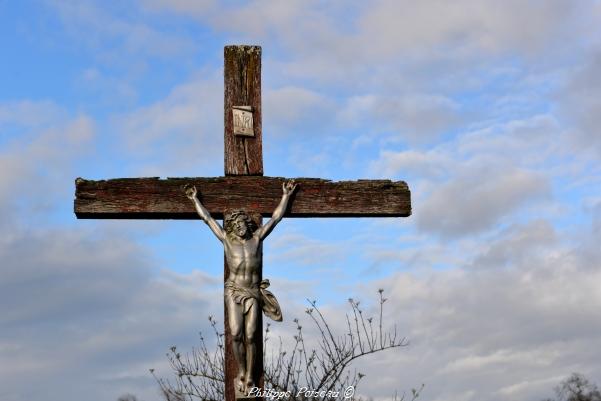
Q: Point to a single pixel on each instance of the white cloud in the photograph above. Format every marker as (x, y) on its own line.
(430, 164)
(84, 308)
(87, 311)
(108, 89)
(510, 331)
(516, 244)
(174, 135)
(196, 8)
(477, 200)
(464, 27)
(527, 142)
(471, 182)
(348, 42)
(417, 118)
(291, 107)
(580, 103)
(114, 36)
(30, 113)
(34, 167)
(305, 251)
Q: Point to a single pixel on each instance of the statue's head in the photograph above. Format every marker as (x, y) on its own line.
(239, 223)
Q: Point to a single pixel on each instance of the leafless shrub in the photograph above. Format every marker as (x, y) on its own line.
(199, 375)
(577, 388)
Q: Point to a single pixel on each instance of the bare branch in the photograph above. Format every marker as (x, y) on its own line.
(327, 366)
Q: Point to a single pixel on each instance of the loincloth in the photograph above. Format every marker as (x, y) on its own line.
(244, 296)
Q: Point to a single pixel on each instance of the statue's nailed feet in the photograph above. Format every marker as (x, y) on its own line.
(249, 385)
(240, 383)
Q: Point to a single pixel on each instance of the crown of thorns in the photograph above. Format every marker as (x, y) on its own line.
(232, 216)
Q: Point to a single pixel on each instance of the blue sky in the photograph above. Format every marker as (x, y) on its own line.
(489, 110)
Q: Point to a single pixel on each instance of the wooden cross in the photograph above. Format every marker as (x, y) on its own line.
(242, 187)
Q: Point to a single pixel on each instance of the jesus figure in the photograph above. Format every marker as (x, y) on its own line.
(245, 294)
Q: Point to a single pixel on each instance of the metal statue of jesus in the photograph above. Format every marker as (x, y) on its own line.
(245, 294)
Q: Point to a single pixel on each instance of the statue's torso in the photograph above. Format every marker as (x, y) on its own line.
(244, 259)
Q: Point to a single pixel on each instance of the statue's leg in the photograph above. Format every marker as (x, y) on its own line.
(236, 323)
(250, 328)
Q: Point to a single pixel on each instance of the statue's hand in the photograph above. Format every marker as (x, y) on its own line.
(288, 187)
(190, 191)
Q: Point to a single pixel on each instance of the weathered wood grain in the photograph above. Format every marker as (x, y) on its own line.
(154, 198)
(242, 87)
(243, 156)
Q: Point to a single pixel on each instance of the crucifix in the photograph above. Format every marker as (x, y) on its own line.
(241, 198)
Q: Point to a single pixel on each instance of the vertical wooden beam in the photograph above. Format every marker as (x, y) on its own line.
(243, 155)
(242, 87)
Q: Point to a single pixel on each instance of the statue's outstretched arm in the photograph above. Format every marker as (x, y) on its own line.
(288, 188)
(204, 213)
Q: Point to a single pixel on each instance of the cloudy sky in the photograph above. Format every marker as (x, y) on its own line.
(490, 110)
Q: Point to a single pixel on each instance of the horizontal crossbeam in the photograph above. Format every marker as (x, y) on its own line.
(154, 198)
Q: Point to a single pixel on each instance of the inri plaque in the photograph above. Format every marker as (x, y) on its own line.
(243, 120)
